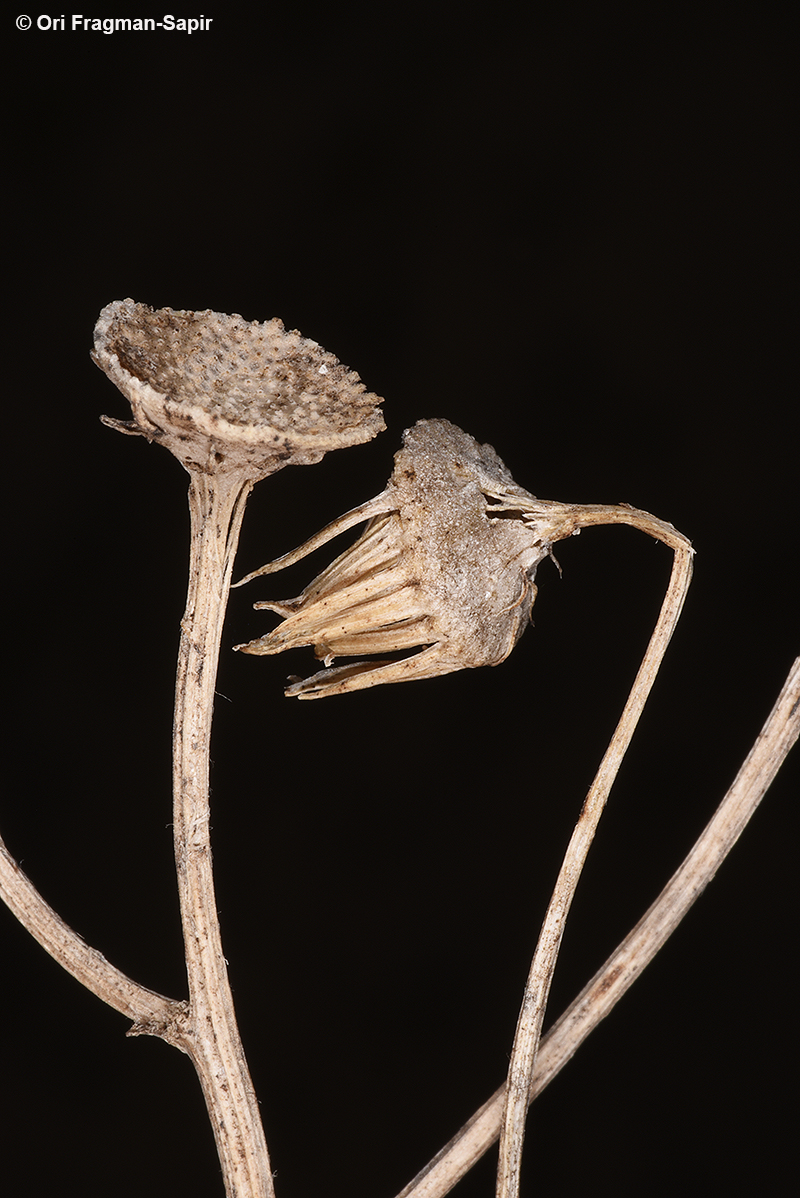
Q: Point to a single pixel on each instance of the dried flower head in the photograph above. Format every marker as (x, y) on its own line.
(444, 568)
(206, 384)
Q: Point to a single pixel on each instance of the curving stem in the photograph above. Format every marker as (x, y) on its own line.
(211, 1038)
(529, 1025)
(776, 739)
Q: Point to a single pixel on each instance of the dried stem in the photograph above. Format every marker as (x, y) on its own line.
(205, 1028)
(234, 401)
(152, 1013)
(216, 503)
(611, 981)
(529, 1024)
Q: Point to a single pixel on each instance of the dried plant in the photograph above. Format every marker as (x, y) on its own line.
(602, 992)
(234, 401)
(444, 568)
(219, 391)
(443, 575)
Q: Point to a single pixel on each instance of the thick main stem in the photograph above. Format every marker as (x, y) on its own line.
(216, 504)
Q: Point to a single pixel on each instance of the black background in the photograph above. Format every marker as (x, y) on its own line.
(567, 232)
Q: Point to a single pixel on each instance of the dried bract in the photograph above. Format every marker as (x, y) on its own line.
(206, 384)
(444, 568)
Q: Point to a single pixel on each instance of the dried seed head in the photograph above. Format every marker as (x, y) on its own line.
(445, 566)
(208, 385)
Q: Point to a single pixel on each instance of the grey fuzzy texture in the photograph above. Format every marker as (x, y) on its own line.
(444, 567)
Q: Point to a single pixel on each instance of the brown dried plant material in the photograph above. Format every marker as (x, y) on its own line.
(205, 384)
(445, 569)
(445, 566)
(234, 402)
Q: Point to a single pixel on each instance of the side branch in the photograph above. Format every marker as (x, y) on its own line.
(152, 1013)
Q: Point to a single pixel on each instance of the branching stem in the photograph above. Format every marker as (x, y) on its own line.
(152, 1013)
(205, 1027)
